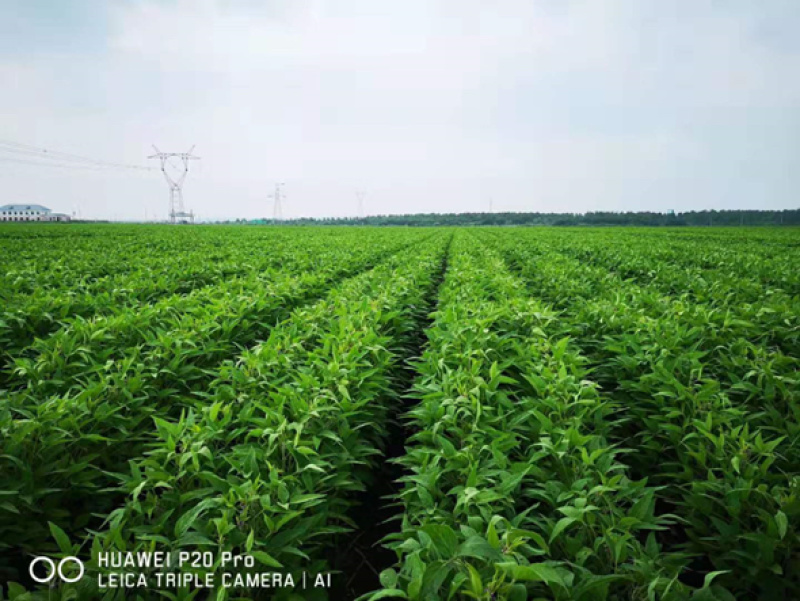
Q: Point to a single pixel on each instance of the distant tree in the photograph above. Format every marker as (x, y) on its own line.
(599, 218)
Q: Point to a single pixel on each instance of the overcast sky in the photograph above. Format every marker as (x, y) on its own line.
(541, 105)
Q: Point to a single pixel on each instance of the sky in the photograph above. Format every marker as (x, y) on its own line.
(425, 105)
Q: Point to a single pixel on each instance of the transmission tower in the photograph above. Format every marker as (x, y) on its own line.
(360, 195)
(177, 214)
(277, 197)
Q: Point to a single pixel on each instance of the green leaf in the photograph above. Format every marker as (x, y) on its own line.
(479, 548)
(561, 525)
(475, 581)
(193, 539)
(711, 575)
(443, 537)
(491, 534)
(394, 593)
(435, 574)
(782, 522)
(517, 592)
(266, 559)
(187, 519)
(61, 538)
(425, 497)
(388, 578)
(536, 572)
(17, 592)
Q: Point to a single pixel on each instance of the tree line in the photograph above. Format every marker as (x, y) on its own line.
(601, 218)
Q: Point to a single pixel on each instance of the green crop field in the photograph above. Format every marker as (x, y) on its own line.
(426, 413)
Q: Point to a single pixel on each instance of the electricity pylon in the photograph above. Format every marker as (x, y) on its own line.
(177, 214)
(277, 208)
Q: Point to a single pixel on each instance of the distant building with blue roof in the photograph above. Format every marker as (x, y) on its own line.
(32, 212)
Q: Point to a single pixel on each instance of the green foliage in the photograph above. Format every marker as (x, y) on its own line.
(514, 490)
(84, 404)
(595, 413)
(700, 353)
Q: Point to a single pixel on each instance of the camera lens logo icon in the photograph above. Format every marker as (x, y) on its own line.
(54, 569)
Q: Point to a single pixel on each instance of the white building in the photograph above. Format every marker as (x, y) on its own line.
(30, 213)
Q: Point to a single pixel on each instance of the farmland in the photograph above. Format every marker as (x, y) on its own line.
(430, 413)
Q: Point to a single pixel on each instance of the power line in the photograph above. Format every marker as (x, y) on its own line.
(50, 164)
(48, 157)
(48, 154)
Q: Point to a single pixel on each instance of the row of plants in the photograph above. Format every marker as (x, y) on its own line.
(82, 256)
(129, 323)
(710, 405)
(764, 256)
(513, 487)
(268, 460)
(79, 265)
(85, 403)
(767, 326)
(740, 275)
(37, 315)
